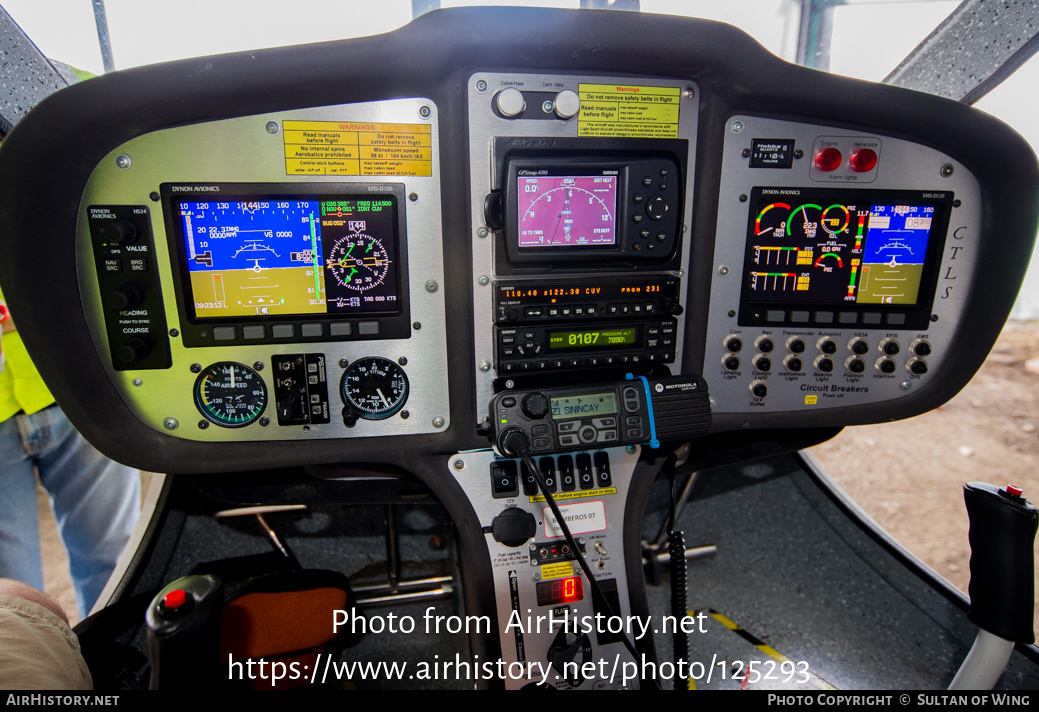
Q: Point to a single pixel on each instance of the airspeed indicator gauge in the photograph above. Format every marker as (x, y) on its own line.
(375, 388)
(230, 394)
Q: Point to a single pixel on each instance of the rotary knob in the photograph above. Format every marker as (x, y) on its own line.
(118, 232)
(535, 406)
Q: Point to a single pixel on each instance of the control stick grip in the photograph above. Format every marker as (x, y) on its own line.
(1002, 533)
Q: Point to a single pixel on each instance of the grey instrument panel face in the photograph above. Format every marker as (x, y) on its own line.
(275, 254)
(595, 513)
(839, 277)
(548, 115)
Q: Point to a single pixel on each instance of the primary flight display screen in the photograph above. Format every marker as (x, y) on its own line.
(289, 256)
(841, 249)
(566, 211)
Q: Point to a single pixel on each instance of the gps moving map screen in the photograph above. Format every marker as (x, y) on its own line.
(820, 248)
(288, 256)
(567, 210)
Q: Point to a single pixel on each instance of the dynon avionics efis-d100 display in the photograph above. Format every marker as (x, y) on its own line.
(255, 262)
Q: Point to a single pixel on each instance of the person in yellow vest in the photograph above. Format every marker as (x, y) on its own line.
(96, 501)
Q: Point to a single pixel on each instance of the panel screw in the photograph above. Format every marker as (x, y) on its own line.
(424, 112)
(631, 449)
(481, 86)
(481, 232)
(484, 280)
(272, 127)
(688, 93)
(934, 317)
(746, 153)
(947, 170)
(123, 161)
(535, 577)
(956, 203)
(258, 365)
(737, 127)
(203, 424)
(196, 367)
(174, 333)
(438, 422)
(170, 423)
(547, 107)
(799, 154)
(154, 196)
(732, 313)
(743, 198)
(510, 383)
(485, 366)
(402, 361)
(417, 325)
(138, 382)
(404, 415)
(458, 464)
(343, 363)
(723, 270)
(432, 286)
(264, 422)
(413, 197)
(905, 385)
(680, 273)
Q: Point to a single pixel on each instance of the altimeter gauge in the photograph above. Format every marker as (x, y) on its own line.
(230, 394)
(374, 388)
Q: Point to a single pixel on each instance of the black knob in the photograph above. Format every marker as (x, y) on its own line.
(126, 297)
(887, 366)
(794, 364)
(796, 346)
(734, 344)
(763, 363)
(859, 347)
(118, 232)
(918, 367)
(922, 348)
(828, 346)
(856, 365)
(765, 345)
(132, 350)
(759, 390)
(535, 406)
(732, 363)
(824, 364)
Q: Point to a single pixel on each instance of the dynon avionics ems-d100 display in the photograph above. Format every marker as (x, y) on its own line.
(825, 252)
(287, 260)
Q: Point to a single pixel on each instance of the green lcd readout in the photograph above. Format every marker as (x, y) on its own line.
(584, 405)
(597, 338)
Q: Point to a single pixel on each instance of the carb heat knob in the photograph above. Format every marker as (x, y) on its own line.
(535, 406)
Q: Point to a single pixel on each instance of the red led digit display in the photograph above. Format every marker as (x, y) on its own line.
(567, 590)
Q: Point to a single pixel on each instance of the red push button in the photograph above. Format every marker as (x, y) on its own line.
(175, 599)
(1014, 491)
(863, 161)
(828, 159)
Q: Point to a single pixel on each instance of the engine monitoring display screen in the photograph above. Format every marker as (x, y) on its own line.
(830, 248)
(566, 211)
(287, 256)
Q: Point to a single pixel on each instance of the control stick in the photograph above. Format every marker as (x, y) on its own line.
(1002, 591)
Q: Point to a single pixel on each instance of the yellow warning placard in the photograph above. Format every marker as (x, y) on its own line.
(554, 571)
(350, 148)
(633, 111)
